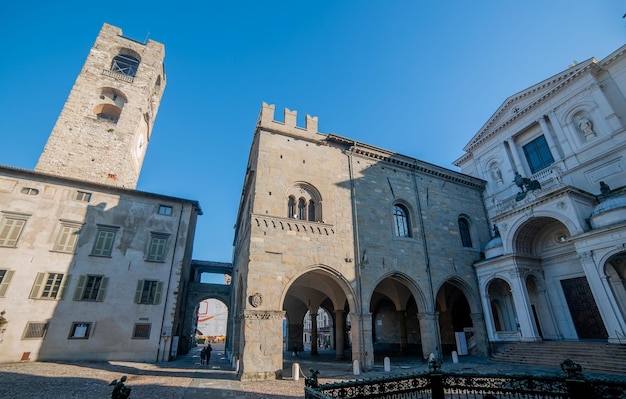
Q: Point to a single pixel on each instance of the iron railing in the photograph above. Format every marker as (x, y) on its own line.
(438, 384)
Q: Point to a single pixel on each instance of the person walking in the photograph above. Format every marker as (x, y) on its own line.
(208, 350)
(203, 353)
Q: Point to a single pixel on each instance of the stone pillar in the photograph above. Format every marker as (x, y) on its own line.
(513, 151)
(600, 287)
(404, 342)
(262, 338)
(480, 334)
(339, 334)
(313, 333)
(429, 328)
(362, 345)
(547, 133)
(523, 309)
(294, 336)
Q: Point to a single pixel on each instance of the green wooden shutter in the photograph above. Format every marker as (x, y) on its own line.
(138, 291)
(157, 295)
(78, 294)
(34, 293)
(5, 282)
(64, 284)
(103, 289)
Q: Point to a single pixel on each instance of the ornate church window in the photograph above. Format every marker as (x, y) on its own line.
(464, 231)
(308, 203)
(401, 221)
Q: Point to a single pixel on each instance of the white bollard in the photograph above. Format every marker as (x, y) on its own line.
(455, 357)
(431, 357)
(295, 371)
(387, 364)
(237, 365)
(355, 368)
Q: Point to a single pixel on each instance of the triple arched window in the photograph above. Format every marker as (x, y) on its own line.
(304, 203)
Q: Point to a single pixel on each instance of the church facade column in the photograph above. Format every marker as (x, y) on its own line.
(523, 310)
(547, 133)
(516, 160)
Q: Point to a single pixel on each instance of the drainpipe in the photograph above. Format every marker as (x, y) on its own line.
(426, 256)
(357, 257)
(169, 281)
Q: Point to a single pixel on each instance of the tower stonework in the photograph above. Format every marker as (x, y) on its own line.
(103, 130)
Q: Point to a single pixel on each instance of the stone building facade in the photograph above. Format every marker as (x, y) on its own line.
(554, 158)
(91, 269)
(383, 242)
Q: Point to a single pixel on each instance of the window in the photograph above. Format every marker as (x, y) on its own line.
(158, 247)
(538, 154)
(141, 331)
(304, 203)
(5, 279)
(29, 191)
(148, 292)
(103, 246)
(301, 209)
(464, 231)
(401, 221)
(68, 237)
(125, 64)
(91, 288)
(311, 211)
(82, 196)
(291, 207)
(165, 210)
(35, 330)
(10, 230)
(50, 286)
(80, 330)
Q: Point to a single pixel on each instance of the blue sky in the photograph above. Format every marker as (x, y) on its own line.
(416, 77)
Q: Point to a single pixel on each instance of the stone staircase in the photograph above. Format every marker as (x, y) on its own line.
(592, 356)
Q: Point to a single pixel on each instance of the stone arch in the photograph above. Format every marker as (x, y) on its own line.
(582, 110)
(456, 323)
(524, 234)
(614, 268)
(304, 202)
(503, 316)
(412, 286)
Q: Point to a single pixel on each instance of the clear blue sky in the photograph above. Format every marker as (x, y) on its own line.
(417, 77)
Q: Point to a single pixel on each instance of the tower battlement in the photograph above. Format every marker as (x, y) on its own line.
(266, 121)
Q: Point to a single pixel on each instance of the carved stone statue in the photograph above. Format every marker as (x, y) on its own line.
(605, 189)
(496, 174)
(120, 391)
(586, 127)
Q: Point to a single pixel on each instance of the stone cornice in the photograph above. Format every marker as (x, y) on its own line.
(262, 314)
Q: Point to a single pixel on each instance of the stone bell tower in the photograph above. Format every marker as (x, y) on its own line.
(104, 128)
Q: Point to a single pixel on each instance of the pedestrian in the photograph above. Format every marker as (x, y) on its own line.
(203, 353)
(208, 353)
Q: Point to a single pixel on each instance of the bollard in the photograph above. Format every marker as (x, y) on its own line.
(455, 357)
(295, 371)
(387, 364)
(431, 357)
(237, 365)
(355, 368)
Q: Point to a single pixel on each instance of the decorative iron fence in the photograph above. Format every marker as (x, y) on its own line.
(461, 385)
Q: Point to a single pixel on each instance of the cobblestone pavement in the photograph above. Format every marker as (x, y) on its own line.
(185, 378)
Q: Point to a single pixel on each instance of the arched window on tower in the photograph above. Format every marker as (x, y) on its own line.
(301, 209)
(308, 206)
(110, 104)
(125, 64)
(464, 231)
(401, 221)
(291, 207)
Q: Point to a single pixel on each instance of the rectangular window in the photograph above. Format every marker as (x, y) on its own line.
(103, 246)
(10, 230)
(5, 279)
(141, 331)
(538, 154)
(49, 286)
(80, 330)
(82, 196)
(35, 330)
(148, 292)
(91, 288)
(68, 237)
(158, 247)
(165, 210)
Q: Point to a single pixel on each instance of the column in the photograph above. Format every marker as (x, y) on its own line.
(339, 334)
(547, 133)
(429, 329)
(513, 151)
(362, 345)
(480, 334)
(262, 340)
(523, 310)
(294, 337)
(602, 294)
(313, 333)
(404, 342)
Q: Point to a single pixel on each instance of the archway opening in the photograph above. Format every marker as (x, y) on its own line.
(456, 329)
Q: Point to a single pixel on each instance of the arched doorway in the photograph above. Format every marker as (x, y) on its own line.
(395, 323)
(317, 288)
(615, 270)
(456, 328)
(503, 317)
